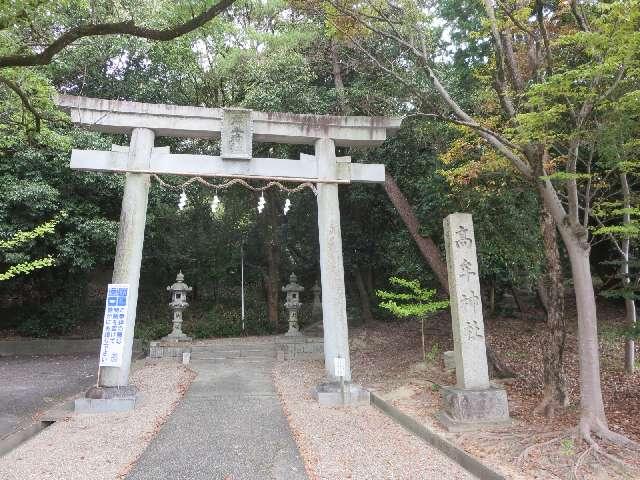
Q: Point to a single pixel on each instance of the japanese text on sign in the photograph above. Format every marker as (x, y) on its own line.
(115, 320)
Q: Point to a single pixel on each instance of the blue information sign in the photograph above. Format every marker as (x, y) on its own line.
(113, 332)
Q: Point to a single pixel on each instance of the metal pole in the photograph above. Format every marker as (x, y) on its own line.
(242, 281)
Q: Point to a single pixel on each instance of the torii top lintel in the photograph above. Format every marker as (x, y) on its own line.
(117, 116)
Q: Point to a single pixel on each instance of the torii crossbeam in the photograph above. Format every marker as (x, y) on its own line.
(237, 129)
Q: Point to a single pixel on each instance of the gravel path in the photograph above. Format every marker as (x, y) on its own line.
(355, 443)
(33, 383)
(101, 446)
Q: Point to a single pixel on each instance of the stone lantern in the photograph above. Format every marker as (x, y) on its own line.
(293, 304)
(178, 304)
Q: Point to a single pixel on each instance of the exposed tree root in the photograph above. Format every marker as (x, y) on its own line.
(579, 461)
(525, 453)
(593, 447)
(601, 430)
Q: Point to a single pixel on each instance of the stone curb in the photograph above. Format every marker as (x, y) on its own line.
(15, 439)
(31, 428)
(459, 456)
(43, 346)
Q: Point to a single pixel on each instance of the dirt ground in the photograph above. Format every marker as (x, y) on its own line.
(386, 358)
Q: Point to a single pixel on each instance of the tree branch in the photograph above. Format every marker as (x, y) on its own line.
(24, 99)
(576, 10)
(123, 28)
(473, 126)
(500, 79)
(518, 162)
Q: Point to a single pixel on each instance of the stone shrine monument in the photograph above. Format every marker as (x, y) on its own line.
(293, 304)
(178, 303)
(473, 402)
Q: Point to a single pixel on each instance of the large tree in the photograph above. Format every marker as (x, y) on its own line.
(551, 71)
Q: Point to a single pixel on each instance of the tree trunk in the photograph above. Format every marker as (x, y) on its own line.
(492, 298)
(341, 100)
(368, 281)
(272, 254)
(497, 366)
(429, 250)
(271, 283)
(574, 237)
(367, 317)
(552, 297)
(592, 416)
(519, 303)
(629, 303)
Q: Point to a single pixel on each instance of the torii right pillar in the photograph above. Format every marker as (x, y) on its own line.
(339, 390)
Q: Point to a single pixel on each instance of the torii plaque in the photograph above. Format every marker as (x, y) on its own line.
(238, 128)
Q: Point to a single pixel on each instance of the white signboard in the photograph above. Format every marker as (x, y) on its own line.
(115, 321)
(339, 367)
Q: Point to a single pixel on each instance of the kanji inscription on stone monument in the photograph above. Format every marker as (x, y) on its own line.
(466, 304)
(473, 402)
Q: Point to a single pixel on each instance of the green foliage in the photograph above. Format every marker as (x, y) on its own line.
(567, 447)
(222, 321)
(433, 354)
(21, 236)
(414, 303)
(27, 267)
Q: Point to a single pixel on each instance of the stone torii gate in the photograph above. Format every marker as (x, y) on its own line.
(237, 129)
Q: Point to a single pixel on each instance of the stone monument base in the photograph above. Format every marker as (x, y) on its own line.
(169, 349)
(473, 409)
(176, 337)
(107, 399)
(299, 348)
(333, 394)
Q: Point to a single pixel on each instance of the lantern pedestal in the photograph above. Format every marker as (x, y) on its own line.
(169, 349)
(177, 335)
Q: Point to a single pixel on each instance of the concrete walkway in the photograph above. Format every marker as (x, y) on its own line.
(29, 384)
(230, 425)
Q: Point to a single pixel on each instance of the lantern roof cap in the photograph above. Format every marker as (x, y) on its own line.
(293, 285)
(179, 285)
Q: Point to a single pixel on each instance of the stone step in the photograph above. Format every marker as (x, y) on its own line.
(232, 347)
(232, 353)
(253, 360)
(238, 353)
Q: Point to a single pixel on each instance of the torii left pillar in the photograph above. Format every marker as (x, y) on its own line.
(113, 392)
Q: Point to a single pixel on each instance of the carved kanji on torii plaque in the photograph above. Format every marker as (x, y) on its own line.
(237, 135)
